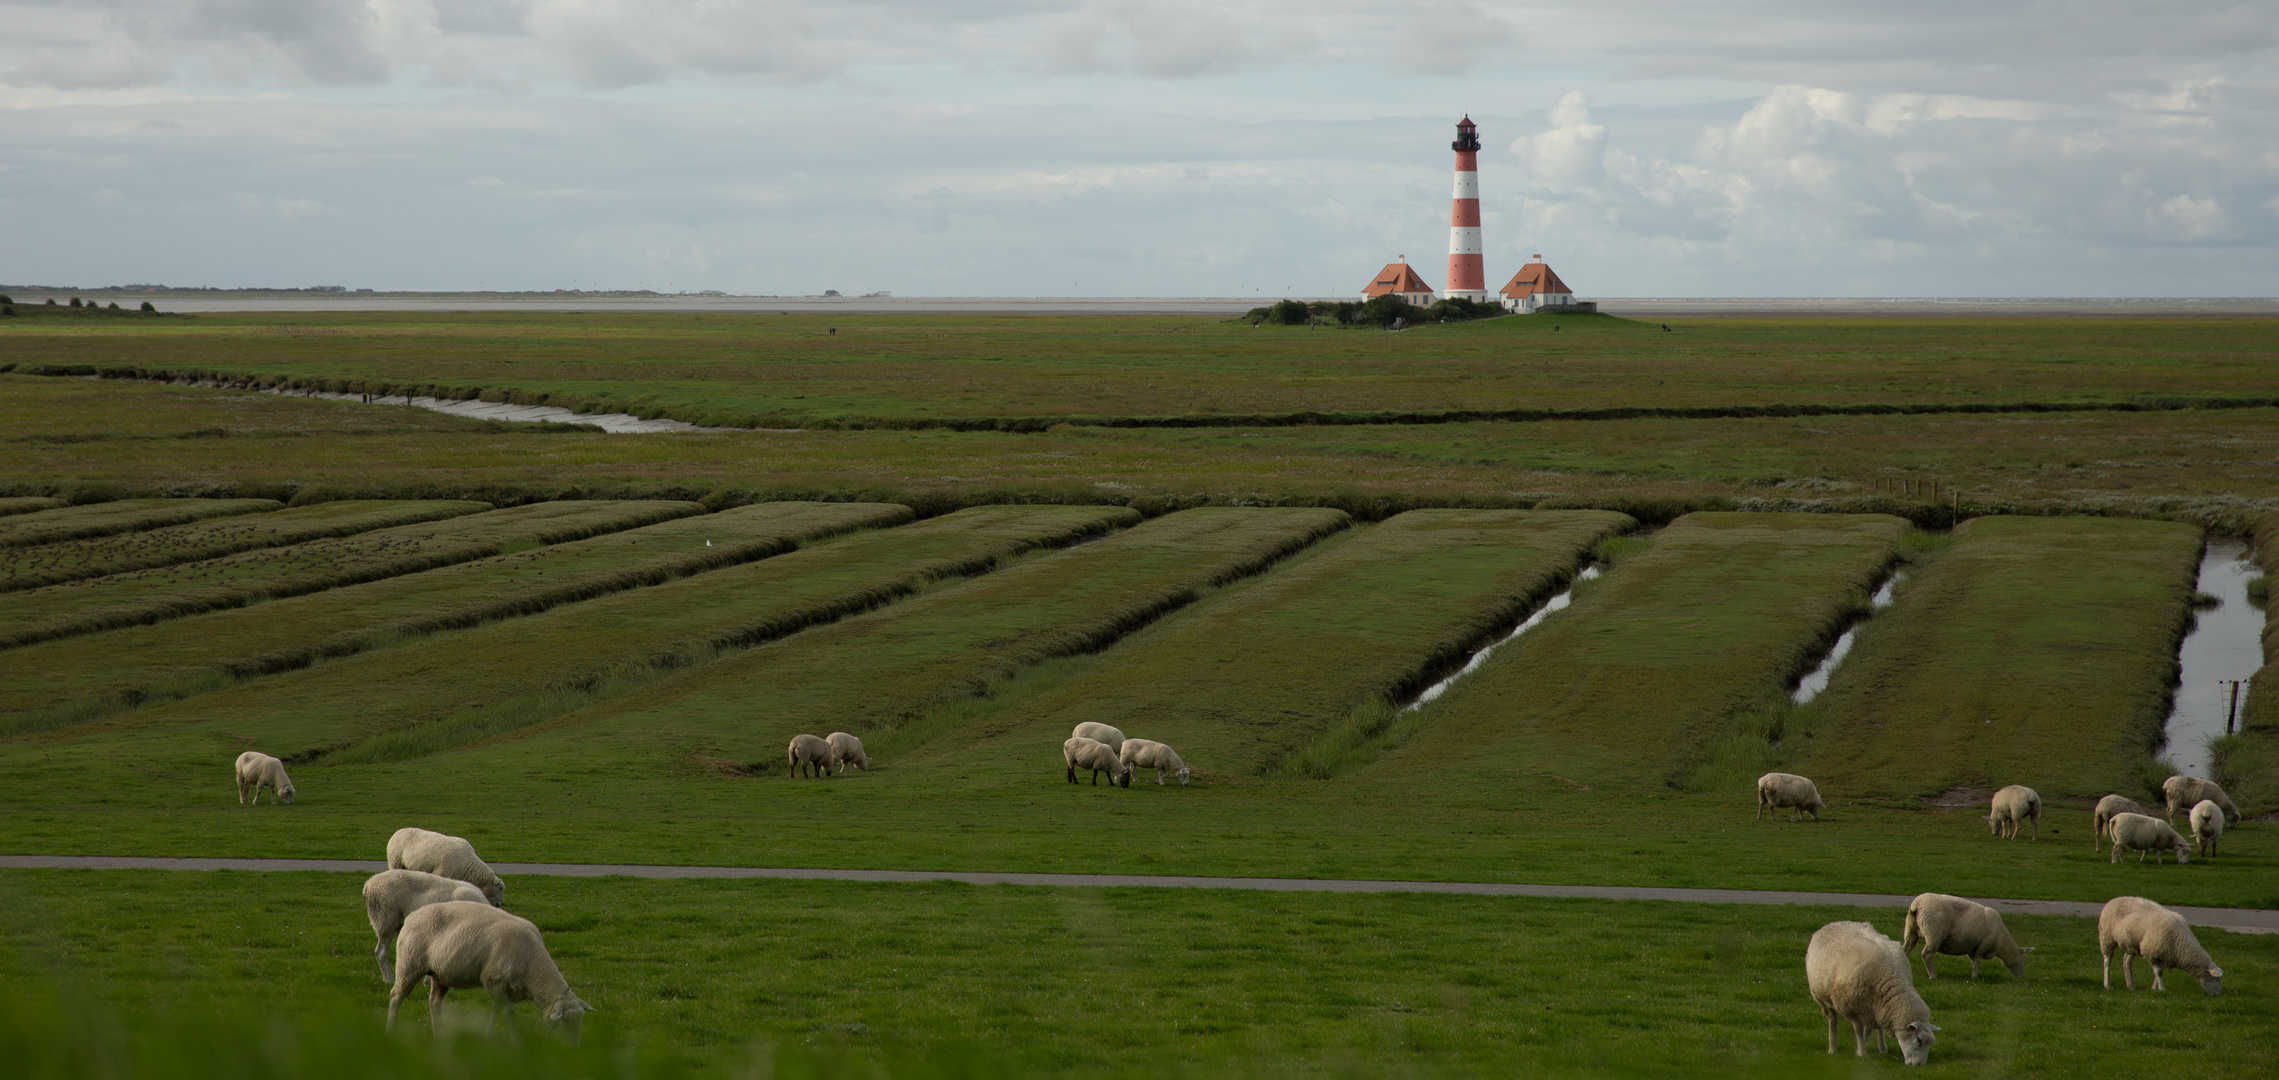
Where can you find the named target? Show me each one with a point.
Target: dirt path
(2240, 920)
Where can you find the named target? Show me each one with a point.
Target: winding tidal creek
(1811, 685)
(2225, 645)
(1557, 603)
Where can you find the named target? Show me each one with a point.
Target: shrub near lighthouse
(1467, 273)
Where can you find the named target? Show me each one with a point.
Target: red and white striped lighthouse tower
(1467, 276)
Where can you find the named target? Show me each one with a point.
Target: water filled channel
(1812, 684)
(2225, 644)
(1557, 603)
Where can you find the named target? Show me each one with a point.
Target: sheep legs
(380, 953)
(1831, 1015)
(2156, 973)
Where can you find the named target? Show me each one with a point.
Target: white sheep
(1103, 734)
(256, 770)
(2100, 823)
(1778, 791)
(849, 751)
(816, 754)
(2207, 827)
(1857, 973)
(1953, 926)
(2186, 792)
(2135, 926)
(2140, 833)
(445, 855)
(460, 945)
(1092, 754)
(1149, 754)
(392, 895)
(2014, 806)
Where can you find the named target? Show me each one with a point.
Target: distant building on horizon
(1401, 280)
(1537, 288)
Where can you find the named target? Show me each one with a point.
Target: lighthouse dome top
(1467, 135)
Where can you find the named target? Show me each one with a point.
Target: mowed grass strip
(2035, 651)
(869, 675)
(1629, 685)
(53, 564)
(74, 680)
(28, 504)
(149, 596)
(468, 685)
(1250, 675)
(232, 973)
(52, 526)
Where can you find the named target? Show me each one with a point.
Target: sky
(1648, 148)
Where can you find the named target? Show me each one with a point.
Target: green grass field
(62, 524)
(624, 699)
(52, 564)
(170, 592)
(2035, 651)
(792, 370)
(1138, 982)
(873, 674)
(1634, 684)
(1249, 679)
(75, 680)
(2216, 468)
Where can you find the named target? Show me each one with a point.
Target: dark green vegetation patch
(71, 560)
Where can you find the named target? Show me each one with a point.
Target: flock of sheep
(1100, 748)
(1857, 974)
(442, 908)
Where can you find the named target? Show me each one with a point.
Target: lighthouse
(1467, 276)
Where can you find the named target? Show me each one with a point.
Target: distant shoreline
(194, 301)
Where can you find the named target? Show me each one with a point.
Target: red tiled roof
(1396, 278)
(1534, 278)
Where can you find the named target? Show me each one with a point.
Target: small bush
(1457, 309)
(1383, 310)
(2259, 591)
(2203, 601)
(146, 306)
(1289, 313)
(75, 302)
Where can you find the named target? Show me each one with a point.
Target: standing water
(2225, 644)
(1566, 596)
(1812, 684)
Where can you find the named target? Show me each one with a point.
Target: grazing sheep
(817, 755)
(445, 855)
(1082, 753)
(256, 770)
(1107, 736)
(1957, 927)
(1780, 791)
(2101, 823)
(849, 751)
(2135, 926)
(2207, 827)
(2186, 792)
(2139, 833)
(460, 945)
(391, 895)
(1857, 973)
(2014, 806)
(1149, 754)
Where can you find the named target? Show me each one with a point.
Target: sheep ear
(2029, 948)
(2215, 973)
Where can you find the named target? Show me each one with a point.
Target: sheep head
(568, 1018)
(1915, 1041)
(2212, 980)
